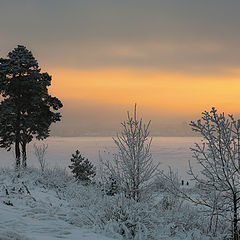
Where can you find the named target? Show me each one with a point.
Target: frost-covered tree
(82, 169)
(219, 157)
(27, 110)
(218, 181)
(132, 165)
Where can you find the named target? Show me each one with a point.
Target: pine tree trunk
(17, 141)
(17, 153)
(17, 129)
(24, 155)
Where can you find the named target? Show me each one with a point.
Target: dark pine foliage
(26, 110)
(82, 169)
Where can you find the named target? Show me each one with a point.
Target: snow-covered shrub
(56, 177)
(132, 166)
(124, 218)
(168, 202)
(163, 184)
(182, 220)
(40, 153)
(82, 169)
(111, 187)
(11, 235)
(56, 195)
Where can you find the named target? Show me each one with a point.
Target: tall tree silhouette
(27, 110)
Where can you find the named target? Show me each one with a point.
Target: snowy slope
(51, 206)
(32, 209)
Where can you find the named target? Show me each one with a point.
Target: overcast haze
(175, 58)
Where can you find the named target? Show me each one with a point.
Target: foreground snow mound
(32, 206)
(52, 205)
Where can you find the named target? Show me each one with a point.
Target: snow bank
(54, 206)
(31, 207)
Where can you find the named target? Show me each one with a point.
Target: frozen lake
(169, 151)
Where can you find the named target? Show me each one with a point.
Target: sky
(174, 58)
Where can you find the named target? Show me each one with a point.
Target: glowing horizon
(158, 91)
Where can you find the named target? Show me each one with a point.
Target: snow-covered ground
(31, 208)
(51, 206)
(169, 151)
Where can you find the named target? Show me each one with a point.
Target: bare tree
(218, 156)
(40, 153)
(132, 165)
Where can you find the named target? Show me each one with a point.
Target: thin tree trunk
(24, 155)
(235, 218)
(17, 129)
(17, 153)
(238, 148)
(17, 142)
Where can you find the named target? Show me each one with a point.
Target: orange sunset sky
(174, 58)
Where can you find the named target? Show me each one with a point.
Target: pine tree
(27, 110)
(82, 169)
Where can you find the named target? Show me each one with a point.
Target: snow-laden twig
(40, 153)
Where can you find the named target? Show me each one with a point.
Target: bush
(112, 186)
(123, 218)
(81, 168)
(40, 152)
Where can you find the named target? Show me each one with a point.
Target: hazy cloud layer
(172, 35)
(97, 119)
(185, 37)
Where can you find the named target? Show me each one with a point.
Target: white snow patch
(30, 210)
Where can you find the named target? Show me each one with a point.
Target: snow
(39, 214)
(53, 206)
(169, 151)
